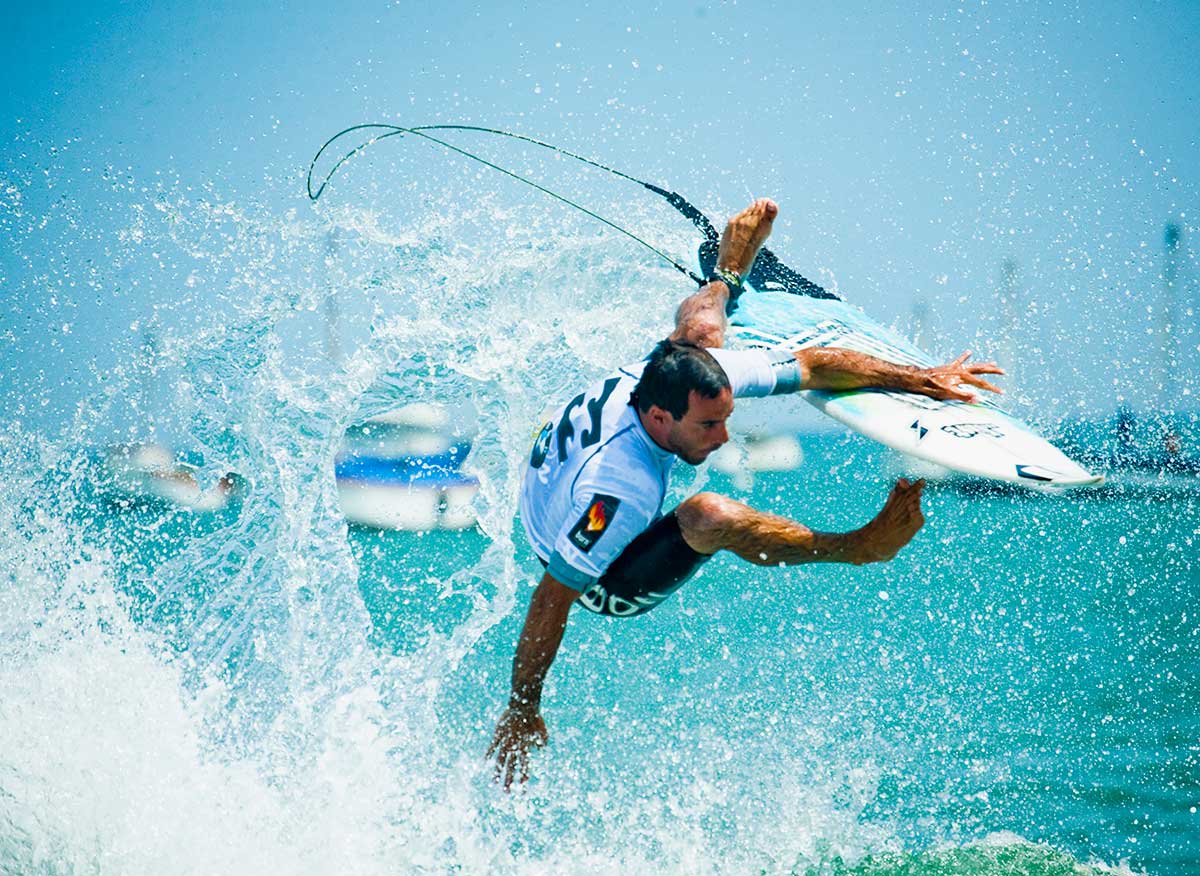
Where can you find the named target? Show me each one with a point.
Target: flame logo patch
(596, 519)
(594, 522)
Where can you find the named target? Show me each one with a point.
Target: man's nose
(722, 434)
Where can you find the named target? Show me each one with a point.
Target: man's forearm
(837, 368)
(540, 639)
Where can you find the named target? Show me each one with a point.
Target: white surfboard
(978, 438)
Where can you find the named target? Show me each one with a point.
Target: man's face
(701, 429)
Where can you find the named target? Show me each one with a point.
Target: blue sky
(912, 150)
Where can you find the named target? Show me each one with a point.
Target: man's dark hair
(673, 370)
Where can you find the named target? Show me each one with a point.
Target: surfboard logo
(594, 522)
(1037, 473)
(919, 429)
(970, 430)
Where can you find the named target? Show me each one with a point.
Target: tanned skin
(710, 522)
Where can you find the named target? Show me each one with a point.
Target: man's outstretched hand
(893, 527)
(948, 382)
(519, 730)
(744, 236)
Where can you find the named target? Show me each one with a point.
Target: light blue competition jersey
(596, 479)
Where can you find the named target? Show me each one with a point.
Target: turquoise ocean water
(265, 691)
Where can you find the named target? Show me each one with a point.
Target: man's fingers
(982, 384)
(947, 381)
(501, 765)
(948, 390)
(510, 770)
(509, 765)
(499, 741)
(502, 771)
(505, 749)
(516, 765)
(512, 766)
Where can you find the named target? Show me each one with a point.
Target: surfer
(597, 476)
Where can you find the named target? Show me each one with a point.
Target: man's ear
(660, 416)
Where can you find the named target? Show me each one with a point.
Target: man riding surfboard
(591, 499)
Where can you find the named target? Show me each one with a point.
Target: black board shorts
(652, 567)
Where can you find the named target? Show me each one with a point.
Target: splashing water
(263, 690)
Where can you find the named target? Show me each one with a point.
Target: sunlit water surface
(264, 691)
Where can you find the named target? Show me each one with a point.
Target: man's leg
(700, 319)
(710, 522)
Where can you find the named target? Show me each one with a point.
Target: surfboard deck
(978, 439)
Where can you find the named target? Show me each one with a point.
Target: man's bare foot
(744, 236)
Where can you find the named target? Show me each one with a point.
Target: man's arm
(521, 727)
(837, 368)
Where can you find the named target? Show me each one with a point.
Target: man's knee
(706, 519)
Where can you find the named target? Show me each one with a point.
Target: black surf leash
(768, 271)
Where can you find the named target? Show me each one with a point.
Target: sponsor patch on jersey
(594, 521)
